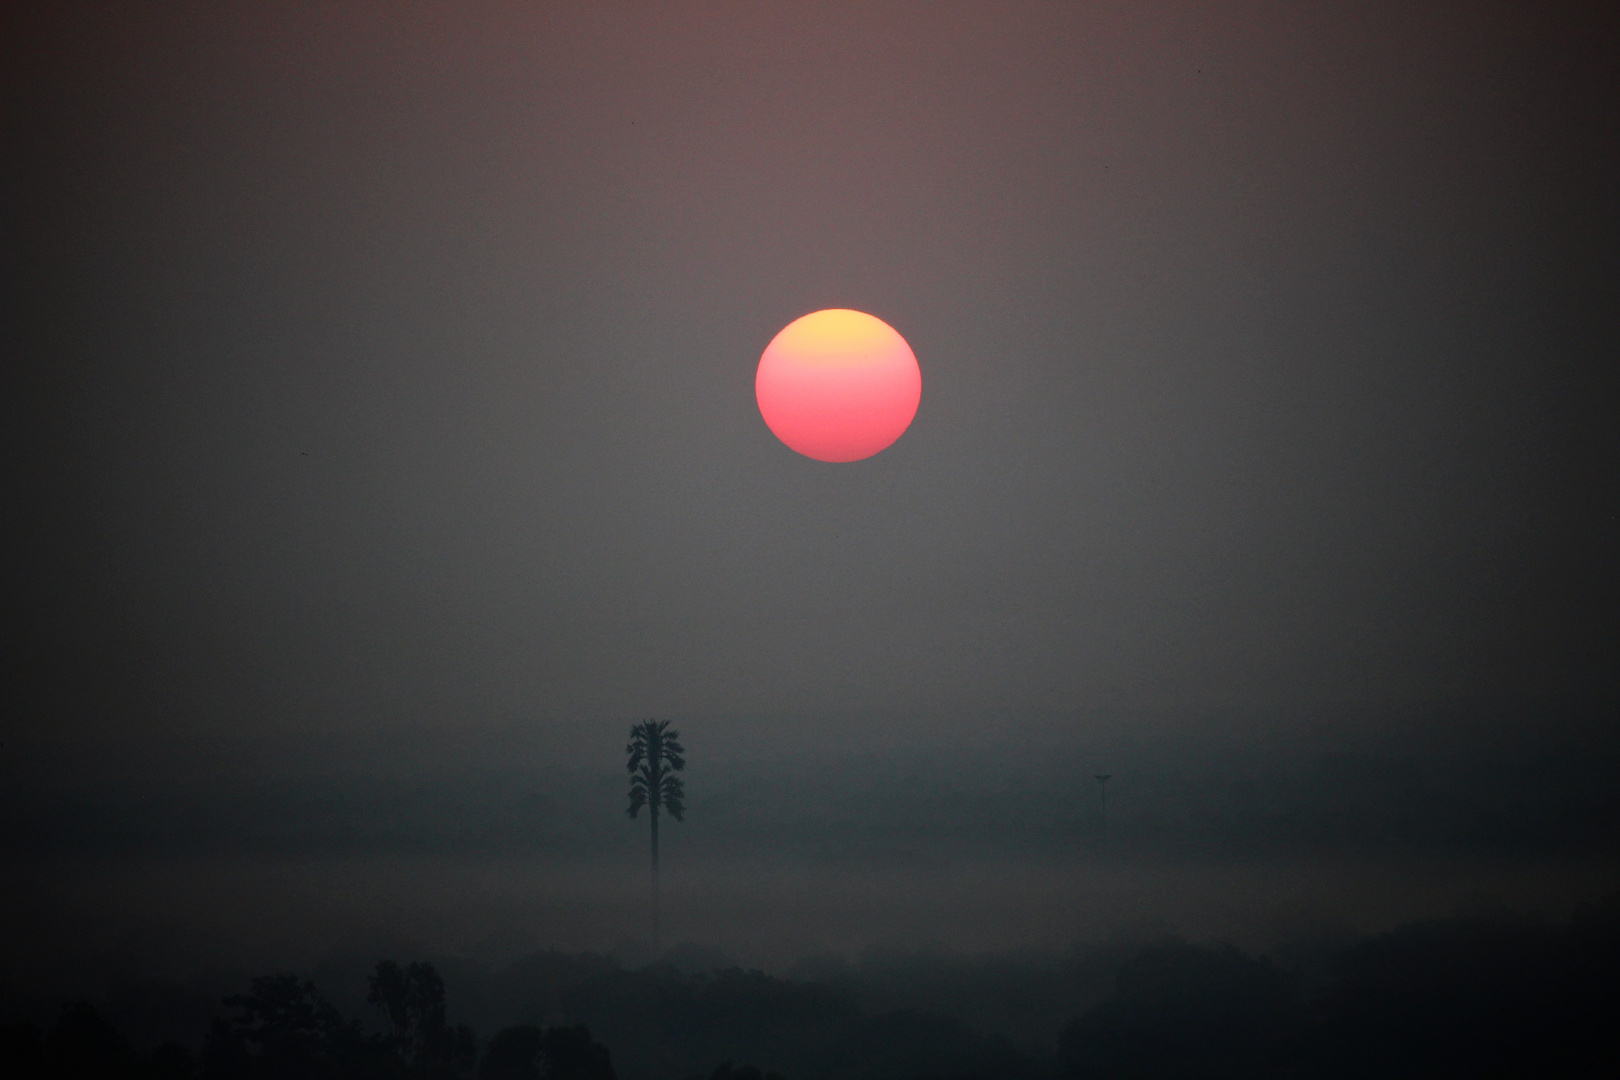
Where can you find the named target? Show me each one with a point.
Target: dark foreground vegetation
(1453, 998)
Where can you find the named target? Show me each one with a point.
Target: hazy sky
(384, 374)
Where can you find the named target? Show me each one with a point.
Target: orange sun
(838, 385)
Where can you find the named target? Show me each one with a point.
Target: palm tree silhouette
(656, 755)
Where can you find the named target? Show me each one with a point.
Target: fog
(259, 862)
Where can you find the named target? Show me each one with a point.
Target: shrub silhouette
(413, 999)
(569, 1053)
(513, 1054)
(84, 1044)
(1185, 1010)
(728, 1071)
(22, 1049)
(171, 1061)
(283, 1028)
(558, 1053)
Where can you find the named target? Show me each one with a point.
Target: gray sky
(385, 383)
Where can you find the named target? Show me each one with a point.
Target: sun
(838, 385)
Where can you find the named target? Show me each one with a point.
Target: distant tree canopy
(283, 1027)
(1464, 997)
(1447, 999)
(1450, 998)
(661, 1023)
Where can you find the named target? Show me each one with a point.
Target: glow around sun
(838, 385)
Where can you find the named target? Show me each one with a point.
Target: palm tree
(656, 755)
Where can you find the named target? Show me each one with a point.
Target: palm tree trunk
(654, 798)
(655, 877)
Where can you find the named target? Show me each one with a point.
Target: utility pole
(1102, 796)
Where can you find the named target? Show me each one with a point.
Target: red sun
(838, 385)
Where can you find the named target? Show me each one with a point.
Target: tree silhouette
(284, 1028)
(526, 1052)
(413, 998)
(656, 755)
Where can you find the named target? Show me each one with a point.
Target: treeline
(1451, 998)
(283, 1029)
(674, 1025)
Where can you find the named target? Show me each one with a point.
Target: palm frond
(638, 795)
(673, 796)
(652, 754)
